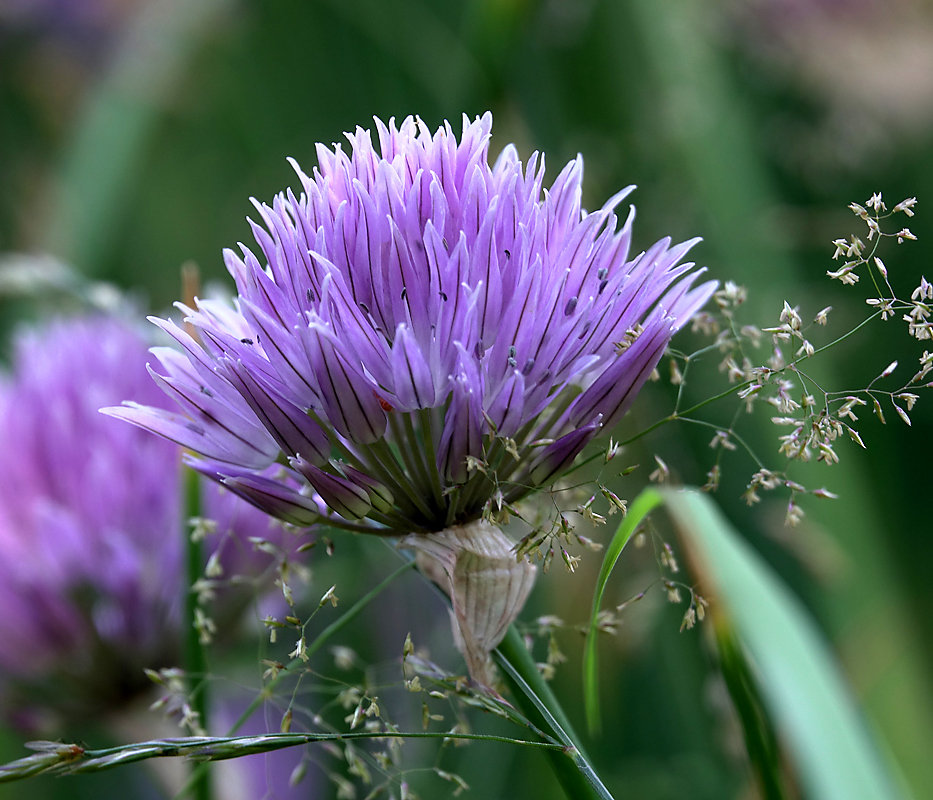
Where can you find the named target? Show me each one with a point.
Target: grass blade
(797, 676)
(640, 508)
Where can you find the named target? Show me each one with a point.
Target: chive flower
(421, 336)
(92, 525)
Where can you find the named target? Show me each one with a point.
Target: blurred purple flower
(429, 334)
(292, 773)
(91, 521)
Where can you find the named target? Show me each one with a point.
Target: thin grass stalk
(195, 659)
(534, 697)
(69, 759)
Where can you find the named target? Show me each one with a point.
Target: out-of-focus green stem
(110, 139)
(194, 656)
(532, 694)
(763, 751)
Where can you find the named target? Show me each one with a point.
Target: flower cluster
(859, 255)
(424, 338)
(92, 518)
(815, 418)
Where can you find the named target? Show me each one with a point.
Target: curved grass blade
(639, 509)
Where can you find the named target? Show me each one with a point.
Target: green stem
(534, 696)
(384, 459)
(195, 658)
(367, 461)
(407, 441)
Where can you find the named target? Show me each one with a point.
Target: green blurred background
(133, 133)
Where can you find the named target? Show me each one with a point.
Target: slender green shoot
(648, 500)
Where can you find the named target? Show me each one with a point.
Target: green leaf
(801, 685)
(640, 508)
(764, 752)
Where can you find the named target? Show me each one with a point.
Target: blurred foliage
(132, 138)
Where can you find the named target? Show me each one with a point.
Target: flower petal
(613, 392)
(215, 443)
(506, 411)
(275, 499)
(342, 495)
(291, 428)
(349, 400)
(464, 425)
(557, 457)
(413, 384)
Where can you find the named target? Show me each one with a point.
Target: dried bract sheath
(475, 565)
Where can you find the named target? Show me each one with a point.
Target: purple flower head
(420, 331)
(92, 517)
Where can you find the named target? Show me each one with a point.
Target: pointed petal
(556, 458)
(613, 392)
(506, 411)
(274, 499)
(213, 414)
(413, 382)
(341, 495)
(682, 302)
(379, 494)
(464, 425)
(217, 444)
(286, 357)
(349, 400)
(292, 429)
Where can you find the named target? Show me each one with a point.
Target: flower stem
(384, 458)
(403, 433)
(194, 657)
(534, 696)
